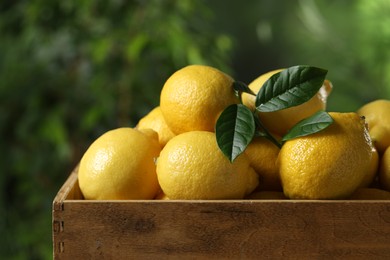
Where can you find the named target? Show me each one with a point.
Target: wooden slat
(69, 190)
(276, 229)
(217, 229)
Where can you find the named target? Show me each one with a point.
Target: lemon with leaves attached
(330, 164)
(191, 166)
(279, 122)
(377, 116)
(193, 97)
(120, 164)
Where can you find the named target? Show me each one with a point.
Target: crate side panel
(69, 189)
(242, 229)
(75, 192)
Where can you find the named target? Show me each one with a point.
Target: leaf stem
(268, 135)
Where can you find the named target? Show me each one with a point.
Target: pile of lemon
(173, 154)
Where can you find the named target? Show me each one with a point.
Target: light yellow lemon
(279, 122)
(120, 164)
(155, 120)
(193, 98)
(191, 166)
(330, 164)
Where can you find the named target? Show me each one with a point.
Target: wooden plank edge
(230, 201)
(65, 190)
(57, 209)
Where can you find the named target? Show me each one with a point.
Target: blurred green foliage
(71, 70)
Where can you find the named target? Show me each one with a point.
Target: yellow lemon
(330, 164)
(191, 166)
(155, 120)
(384, 170)
(279, 122)
(120, 164)
(372, 172)
(370, 194)
(193, 98)
(377, 117)
(263, 155)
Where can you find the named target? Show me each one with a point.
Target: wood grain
(243, 229)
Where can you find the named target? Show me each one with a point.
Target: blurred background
(71, 70)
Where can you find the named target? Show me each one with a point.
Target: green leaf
(240, 87)
(290, 87)
(310, 125)
(234, 130)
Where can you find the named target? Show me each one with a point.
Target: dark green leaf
(240, 87)
(310, 125)
(290, 87)
(235, 129)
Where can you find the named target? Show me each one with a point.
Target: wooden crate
(276, 229)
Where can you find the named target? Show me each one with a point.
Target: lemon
(370, 194)
(155, 120)
(378, 120)
(372, 172)
(330, 164)
(279, 122)
(191, 166)
(384, 170)
(263, 155)
(120, 164)
(193, 98)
